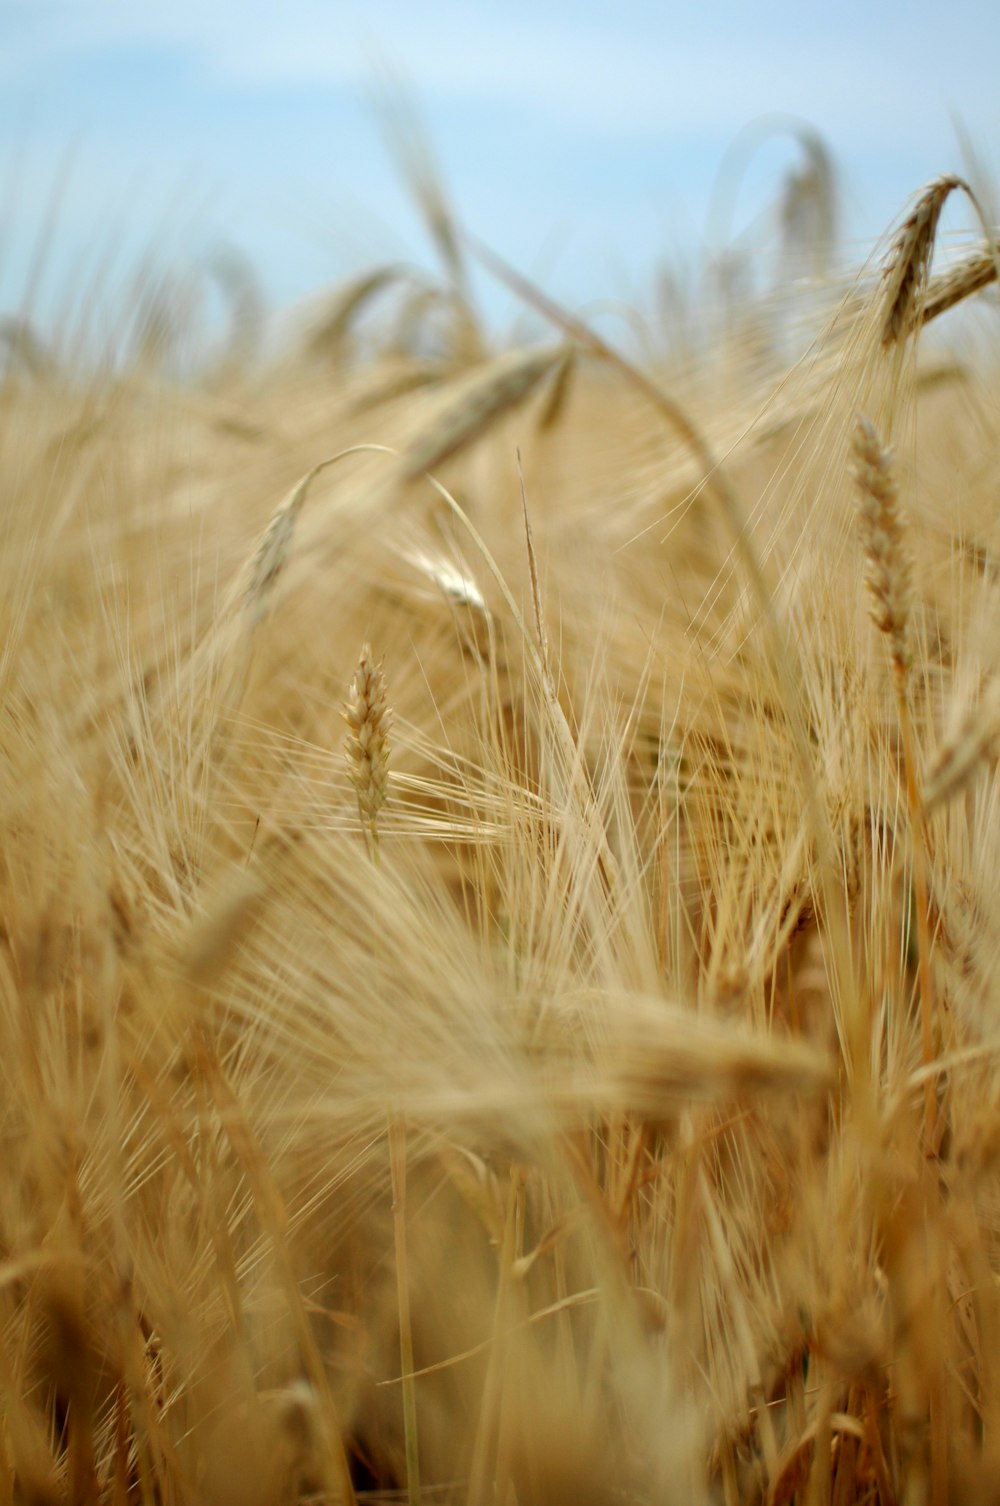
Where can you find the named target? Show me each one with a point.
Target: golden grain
(958, 283)
(882, 524)
(368, 720)
(909, 261)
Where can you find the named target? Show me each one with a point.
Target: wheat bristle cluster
(888, 567)
(368, 718)
(909, 261)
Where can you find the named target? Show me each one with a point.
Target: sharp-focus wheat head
(368, 718)
(883, 535)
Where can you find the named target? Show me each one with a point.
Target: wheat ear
(478, 404)
(260, 574)
(960, 282)
(368, 719)
(883, 536)
(888, 577)
(971, 742)
(906, 272)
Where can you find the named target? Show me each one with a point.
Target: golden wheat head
(887, 559)
(368, 719)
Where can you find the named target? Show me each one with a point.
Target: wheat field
(499, 930)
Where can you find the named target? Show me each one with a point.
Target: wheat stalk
(368, 717)
(397, 1171)
(888, 577)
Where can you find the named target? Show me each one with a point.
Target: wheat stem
(368, 718)
(397, 1164)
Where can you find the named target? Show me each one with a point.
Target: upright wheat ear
(368, 717)
(888, 570)
(887, 559)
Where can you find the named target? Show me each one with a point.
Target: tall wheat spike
(368, 718)
(888, 572)
(888, 565)
(367, 747)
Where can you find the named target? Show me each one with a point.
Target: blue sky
(580, 140)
